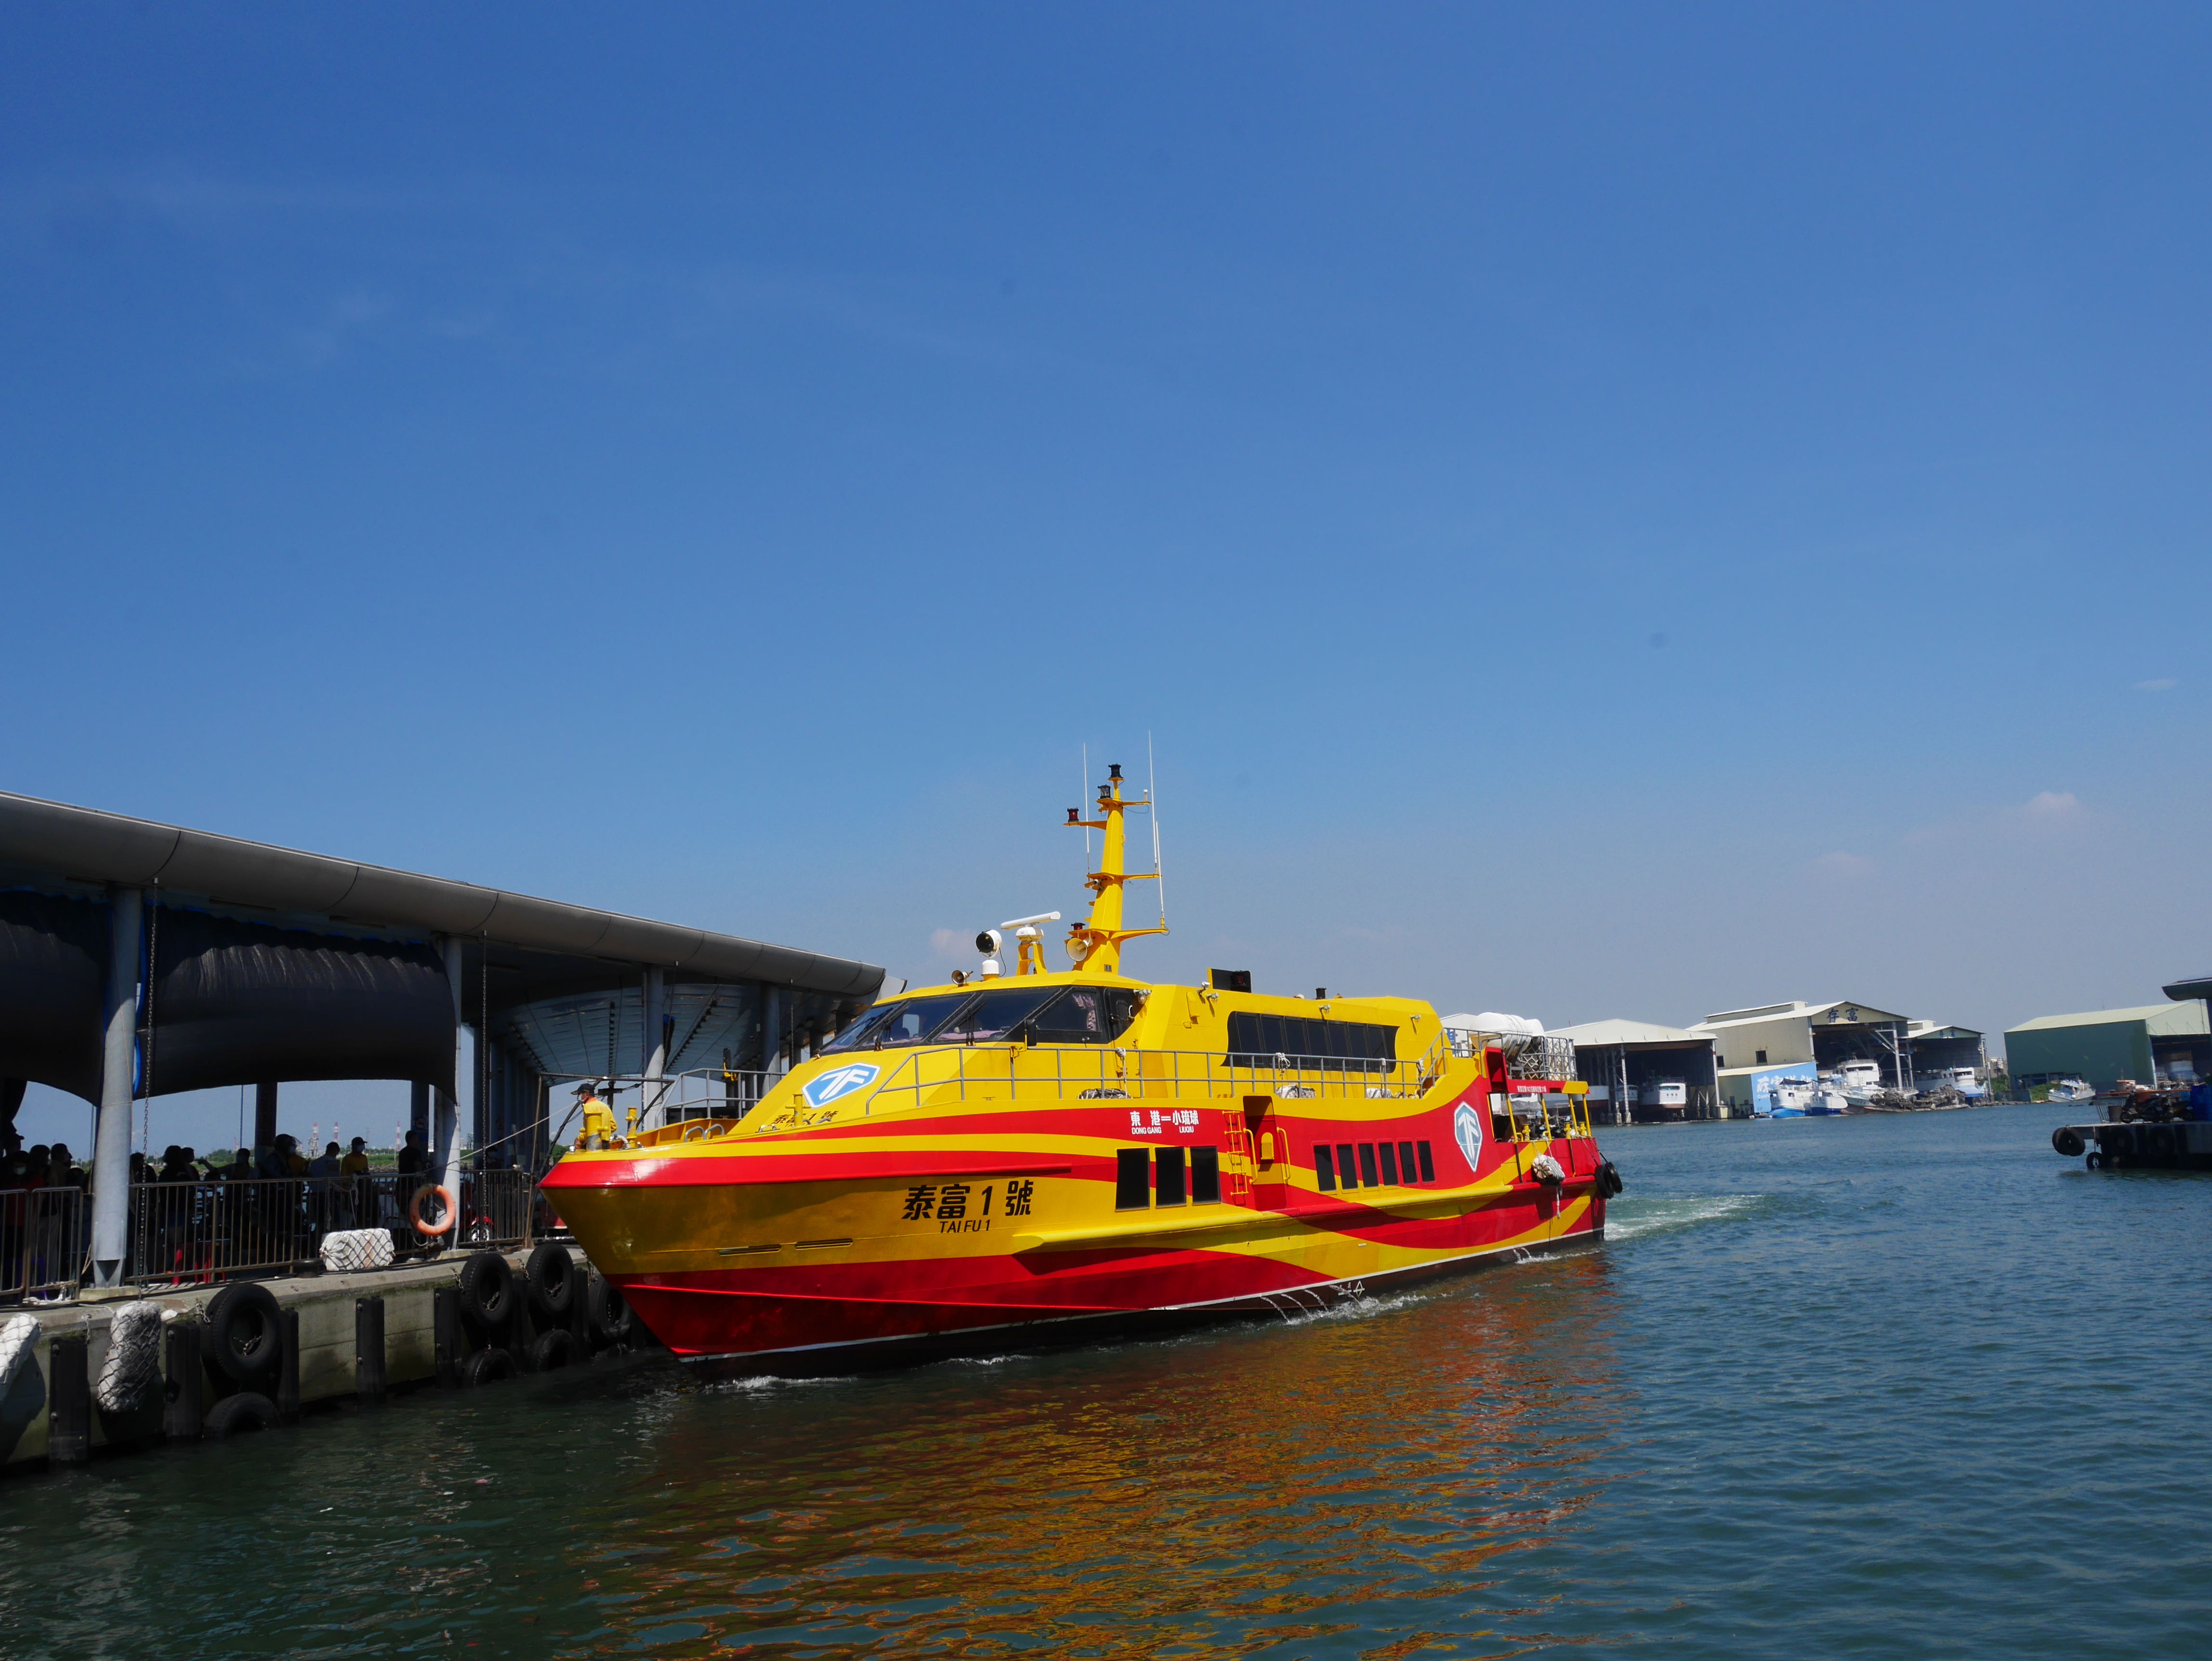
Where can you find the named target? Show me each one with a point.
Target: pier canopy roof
(265, 962)
(1598, 1035)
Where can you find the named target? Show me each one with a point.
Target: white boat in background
(2070, 1090)
(1962, 1080)
(1793, 1099)
(1857, 1082)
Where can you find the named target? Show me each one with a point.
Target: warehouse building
(1643, 1072)
(2155, 1043)
(1755, 1047)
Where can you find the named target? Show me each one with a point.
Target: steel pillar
(111, 1154)
(445, 1133)
(265, 1116)
(772, 1031)
(655, 1045)
(418, 1111)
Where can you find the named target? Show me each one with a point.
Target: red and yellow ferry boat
(1044, 1156)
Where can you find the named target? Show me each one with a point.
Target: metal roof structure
(1598, 1034)
(2176, 1018)
(547, 946)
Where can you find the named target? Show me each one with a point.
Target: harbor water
(1882, 1386)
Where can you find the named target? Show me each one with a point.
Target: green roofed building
(2155, 1043)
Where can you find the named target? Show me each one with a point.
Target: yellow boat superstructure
(1004, 1159)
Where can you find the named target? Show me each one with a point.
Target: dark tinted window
(1367, 1165)
(1133, 1179)
(1389, 1156)
(1356, 1046)
(1085, 1015)
(1344, 1168)
(1229, 980)
(1406, 1161)
(1205, 1176)
(1324, 1167)
(908, 1021)
(993, 1015)
(1428, 1164)
(1168, 1188)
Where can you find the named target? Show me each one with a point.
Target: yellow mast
(1096, 942)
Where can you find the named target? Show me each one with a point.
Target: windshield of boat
(907, 1021)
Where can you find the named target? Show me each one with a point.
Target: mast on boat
(1096, 942)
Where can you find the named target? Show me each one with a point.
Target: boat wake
(1631, 1219)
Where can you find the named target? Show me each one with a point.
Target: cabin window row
(1372, 1165)
(1147, 1177)
(1350, 1046)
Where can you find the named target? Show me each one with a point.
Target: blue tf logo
(1466, 1131)
(840, 1081)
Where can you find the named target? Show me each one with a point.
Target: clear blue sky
(1603, 510)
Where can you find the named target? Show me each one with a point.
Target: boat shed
(2155, 1043)
(138, 959)
(1758, 1045)
(1627, 1065)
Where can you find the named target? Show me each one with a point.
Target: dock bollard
(368, 1350)
(446, 1329)
(183, 1403)
(288, 1367)
(68, 1402)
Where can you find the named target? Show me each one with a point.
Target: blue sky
(1602, 510)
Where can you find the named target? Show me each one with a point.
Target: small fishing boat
(1004, 1160)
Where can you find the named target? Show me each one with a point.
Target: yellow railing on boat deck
(1046, 1073)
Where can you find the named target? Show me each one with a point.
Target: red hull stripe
(712, 1172)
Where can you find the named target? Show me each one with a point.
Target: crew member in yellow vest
(598, 1129)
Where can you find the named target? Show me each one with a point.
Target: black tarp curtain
(231, 1002)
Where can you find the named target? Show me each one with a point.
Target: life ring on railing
(415, 1210)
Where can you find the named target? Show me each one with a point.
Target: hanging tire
(2095, 1161)
(242, 1333)
(2160, 1140)
(609, 1314)
(2117, 1143)
(487, 1289)
(2067, 1142)
(551, 1276)
(487, 1367)
(552, 1350)
(1609, 1178)
(244, 1411)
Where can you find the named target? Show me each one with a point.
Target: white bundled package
(356, 1248)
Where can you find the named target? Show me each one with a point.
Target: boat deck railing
(1528, 1055)
(1049, 1073)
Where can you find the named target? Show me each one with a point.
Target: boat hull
(837, 1250)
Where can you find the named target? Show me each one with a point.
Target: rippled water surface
(1881, 1386)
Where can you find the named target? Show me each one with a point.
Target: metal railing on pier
(42, 1241)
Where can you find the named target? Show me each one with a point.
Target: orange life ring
(415, 1209)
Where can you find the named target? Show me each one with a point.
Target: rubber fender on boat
(18, 1339)
(1608, 1177)
(2160, 1139)
(2067, 1142)
(610, 1313)
(486, 1365)
(130, 1373)
(2117, 1143)
(244, 1411)
(2095, 1161)
(1547, 1171)
(487, 1288)
(551, 1276)
(242, 1332)
(555, 1348)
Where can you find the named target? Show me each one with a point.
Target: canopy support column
(655, 1045)
(111, 1156)
(445, 1133)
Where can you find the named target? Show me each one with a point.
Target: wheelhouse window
(1428, 1164)
(1324, 1168)
(1344, 1168)
(991, 1018)
(1084, 1014)
(1367, 1165)
(1406, 1163)
(1255, 1040)
(909, 1020)
(1389, 1154)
